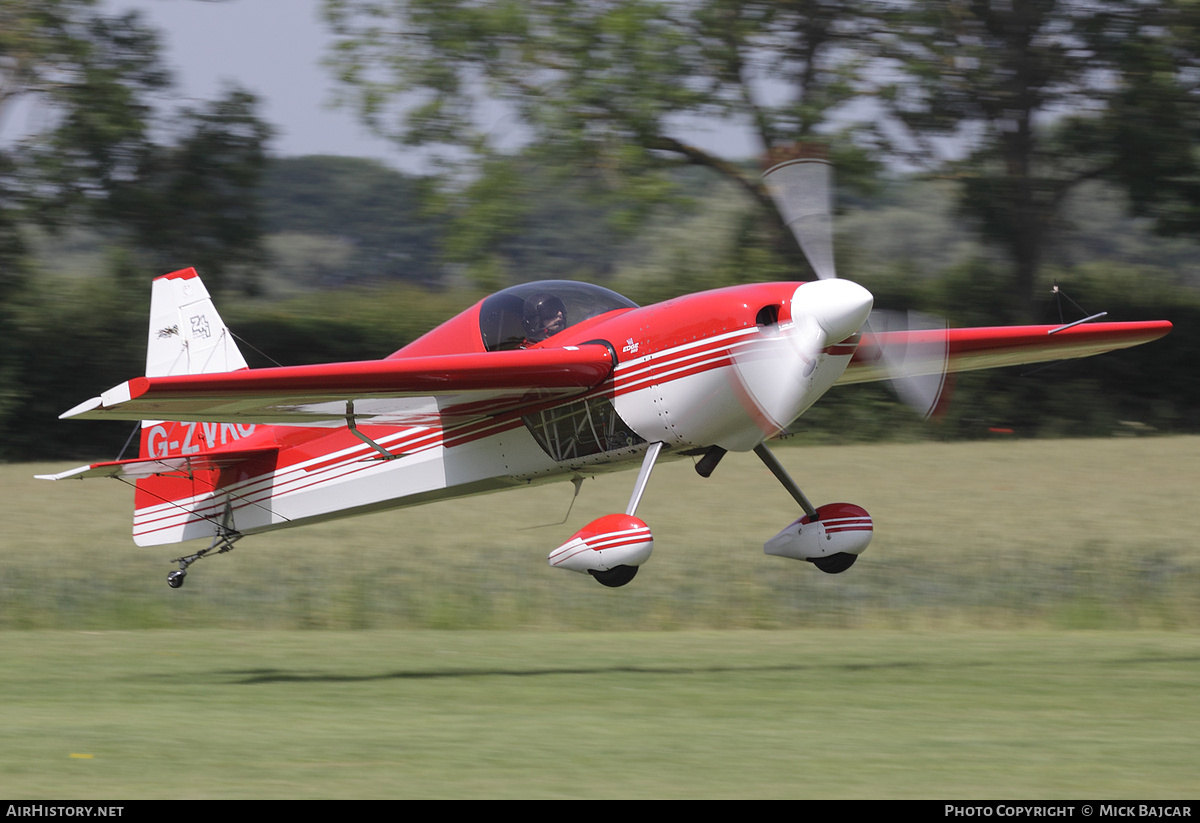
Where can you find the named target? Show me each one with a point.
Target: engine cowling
(604, 544)
(839, 529)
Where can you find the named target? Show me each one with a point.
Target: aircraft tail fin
(187, 335)
(184, 470)
(187, 475)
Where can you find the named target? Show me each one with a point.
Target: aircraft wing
(433, 390)
(955, 350)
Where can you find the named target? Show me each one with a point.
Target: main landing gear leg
(222, 542)
(639, 488)
(777, 469)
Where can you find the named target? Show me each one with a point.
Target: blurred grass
(1075, 534)
(818, 713)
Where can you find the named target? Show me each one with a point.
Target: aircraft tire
(834, 563)
(616, 577)
(175, 579)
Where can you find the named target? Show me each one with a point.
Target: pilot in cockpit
(545, 316)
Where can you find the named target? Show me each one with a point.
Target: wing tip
(96, 406)
(70, 473)
(83, 408)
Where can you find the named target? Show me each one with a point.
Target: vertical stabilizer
(187, 335)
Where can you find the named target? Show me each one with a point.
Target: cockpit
(525, 315)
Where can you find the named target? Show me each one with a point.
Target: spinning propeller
(915, 364)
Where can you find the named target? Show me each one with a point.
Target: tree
(383, 214)
(87, 76)
(93, 82)
(1046, 95)
(196, 199)
(1039, 95)
(1153, 120)
(606, 89)
(79, 117)
(90, 79)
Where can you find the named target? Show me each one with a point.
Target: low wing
(138, 468)
(407, 391)
(956, 350)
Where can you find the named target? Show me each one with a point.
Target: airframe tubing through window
(581, 429)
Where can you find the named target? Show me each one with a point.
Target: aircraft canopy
(524, 315)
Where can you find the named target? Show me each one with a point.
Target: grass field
(1026, 624)
(1025, 534)
(824, 713)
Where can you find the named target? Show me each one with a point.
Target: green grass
(824, 713)
(1026, 624)
(1069, 534)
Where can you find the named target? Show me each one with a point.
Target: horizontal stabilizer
(139, 468)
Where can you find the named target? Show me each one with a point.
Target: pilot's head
(545, 315)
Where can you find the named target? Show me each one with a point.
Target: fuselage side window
(580, 429)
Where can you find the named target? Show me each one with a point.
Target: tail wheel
(616, 577)
(834, 563)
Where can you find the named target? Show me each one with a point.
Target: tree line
(1011, 108)
(1019, 101)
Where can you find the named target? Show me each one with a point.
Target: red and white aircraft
(543, 381)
